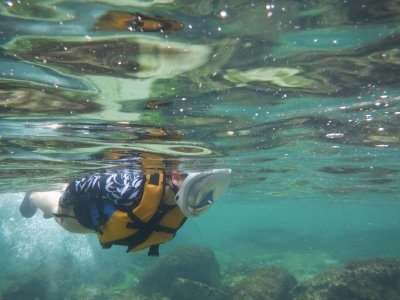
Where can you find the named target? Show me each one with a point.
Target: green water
(299, 98)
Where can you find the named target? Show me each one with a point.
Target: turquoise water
(300, 99)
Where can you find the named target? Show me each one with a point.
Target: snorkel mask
(199, 190)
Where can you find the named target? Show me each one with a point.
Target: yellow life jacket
(148, 225)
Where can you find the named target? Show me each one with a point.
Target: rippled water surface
(299, 98)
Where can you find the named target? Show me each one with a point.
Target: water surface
(299, 98)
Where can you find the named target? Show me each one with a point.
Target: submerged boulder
(193, 263)
(50, 280)
(183, 289)
(264, 284)
(35, 287)
(374, 279)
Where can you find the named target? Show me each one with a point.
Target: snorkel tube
(199, 190)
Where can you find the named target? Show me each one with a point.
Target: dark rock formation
(264, 284)
(48, 281)
(183, 289)
(374, 279)
(193, 263)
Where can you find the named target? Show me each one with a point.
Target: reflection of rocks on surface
(370, 280)
(141, 57)
(193, 263)
(283, 77)
(320, 128)
(124, 21)
(266, 283)
(22, 99)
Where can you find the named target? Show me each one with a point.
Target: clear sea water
(299, 98)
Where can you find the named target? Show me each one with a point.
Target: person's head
(175, 180)
(195, 192)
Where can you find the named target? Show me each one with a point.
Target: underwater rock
(89, 293)
(51, 280)
(193, 263)
(183, 289)
(264, 284)
(373, 279)
(34, 287)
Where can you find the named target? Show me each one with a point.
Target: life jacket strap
(165, 229)
(154, 250)
(146, 229)
(136, 223)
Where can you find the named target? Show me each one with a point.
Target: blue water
(301, 100)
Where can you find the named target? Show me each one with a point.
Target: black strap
(154, 250)
(136, 223)
(63, 216)
(161, 228)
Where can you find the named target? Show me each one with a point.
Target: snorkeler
(131, 208)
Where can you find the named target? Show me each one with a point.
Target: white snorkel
(199, 190)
